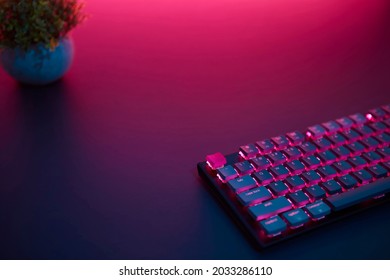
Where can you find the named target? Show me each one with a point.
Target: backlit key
(356, 148)
(384, 152)
(315, 131)
(241, 184)
(281, 142)
(327, 157)
(276, 158)
(363, 176)
(307, 148)
(370, 143)
(358, 119)
(372, 157)
(260, 163)
(270, 208)
(327, 172)
(295, 137)
(341, 152)
(273, 226)
(318, 210)
(331, 127)
(337, 139)
(298, 198)
(384, 139)
(279, 172)
(342, 167)
(376, 114)
(311, 162)
(296, 218)
(345, 122)
(315, 192)
(292, 153)
(255, 195)
(347, 181)
(265, 146)
(295, 182)
(364, 131)
(295, 166)
(322, 144)
(377, 171)
(378, 127)
(311, 177)
(226, 173)
(351, 135)
(278, 188)
(263, 177)
(357, 162)
(216, 160)
(331, 187)
(244, 167)
(248, 151)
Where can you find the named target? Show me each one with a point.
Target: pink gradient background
(155, 87)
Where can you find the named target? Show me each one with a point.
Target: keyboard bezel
(222, 193)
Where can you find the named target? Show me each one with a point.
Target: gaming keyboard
(289, 184)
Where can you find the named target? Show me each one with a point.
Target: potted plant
(35, 46)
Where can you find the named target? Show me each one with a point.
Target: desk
(102, 165)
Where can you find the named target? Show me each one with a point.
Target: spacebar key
(360, 194)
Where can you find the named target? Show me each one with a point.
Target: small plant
(26, 23)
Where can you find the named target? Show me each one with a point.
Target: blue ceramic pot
(39, 65)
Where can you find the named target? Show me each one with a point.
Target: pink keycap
(216, 160)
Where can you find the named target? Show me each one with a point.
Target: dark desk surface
(103, 164)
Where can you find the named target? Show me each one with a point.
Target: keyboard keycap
(376, 114)
(278, 188)
(281, 142)
(370, 143)
(311, 162)
(351, 135)
(358, 119)
(296, 218)
(358, 195)
(331, 127)
(364, 131)
(357, 162)
(273, 226)
(315, 192)
(386, 164)
(311, 177)
(226, 173)
(241, 184)
(292, 153)
(263, 177)
(327, 172)
(331, 187)
(298, 198)
(372, 157)
(377, 171)
(265, 146)
(327, 157)
(248, 151)
(255, 195)
(295, 167)
(363, 176)
(345, 122)
(341, 152)
(384, 139)
(322, 144)
(295, 137)
(216, 160)
(307, 148)
(378, 127)
(295, 182)
(276, 158)
(318, 210)
(347, 181)
(337, 139)
(384, 152)
(342, 167)
(260, 163)
(315, 131)
(279, 172)
(356, 148)
(270, 208)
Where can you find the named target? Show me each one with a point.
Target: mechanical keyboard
(290, 184)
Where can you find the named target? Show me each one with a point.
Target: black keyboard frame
(230, 202)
